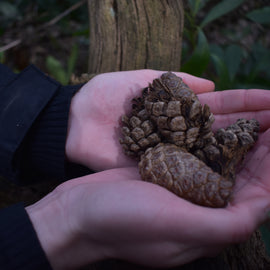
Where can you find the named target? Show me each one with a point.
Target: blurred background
(226, 41)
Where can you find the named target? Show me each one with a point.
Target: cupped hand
(228, 106)
(113, 214)
(94, 121)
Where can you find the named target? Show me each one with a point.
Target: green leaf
(260, 15)
(233, 58)
(265, 231)
(196, 5)
(222, 71)
(221, 9)
(217, 50)
(199, 60)
(262, 59)
(257, 63)
(2, 57)
(8, 10)
(56, 70)
(72, 60)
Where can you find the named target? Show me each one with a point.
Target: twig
(63, 14)
(10, 45)
(48, 24)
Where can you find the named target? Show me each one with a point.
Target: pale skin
(113, 214)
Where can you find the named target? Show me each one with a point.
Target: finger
(198, 85)
(257, 163)
(245, 217)
(224, 120)
(231, 101)
(232, 224)
(221, 226)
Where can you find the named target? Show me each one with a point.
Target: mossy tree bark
(135, 34)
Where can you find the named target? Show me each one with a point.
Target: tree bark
(135, 34)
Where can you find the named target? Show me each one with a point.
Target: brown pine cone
(185, 175)
(167, 111)
(177, 112)
(230, 147)
(139, 133)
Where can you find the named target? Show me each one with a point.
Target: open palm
(252, 187)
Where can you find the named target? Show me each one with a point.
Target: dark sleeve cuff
(34, 112)
(22, 100)
(19, 246)
(43, 151)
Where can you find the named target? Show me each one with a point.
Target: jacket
(33, 125)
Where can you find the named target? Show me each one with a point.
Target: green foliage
(199, 60)
(266, 236)
(67, 20)
(13, 11)
(58, 71)
(196, 5)
(231, 65)
(2, 57)
(220, 9)
(8, 13)
(260, 15)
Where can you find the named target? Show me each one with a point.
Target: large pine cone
(185, 175)
(190, 161)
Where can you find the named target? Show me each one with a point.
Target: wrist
(73, 140)
(58, 231)
(46, 216)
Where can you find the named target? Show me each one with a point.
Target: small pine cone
(185, 175)
(177, 112)
(139, 133)
(230, 147)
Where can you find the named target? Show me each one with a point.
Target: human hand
(230, 105)
(252, 182)
(113, 214)
(94, 122)
(253, 178)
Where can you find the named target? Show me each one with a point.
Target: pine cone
(230, 147)
(167, 111)
(139, 133)
(177, 113)
(190, 161)
(185, 175)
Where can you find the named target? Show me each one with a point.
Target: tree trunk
(135, 34)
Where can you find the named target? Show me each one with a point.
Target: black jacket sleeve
(33, 125)
(19, 245)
